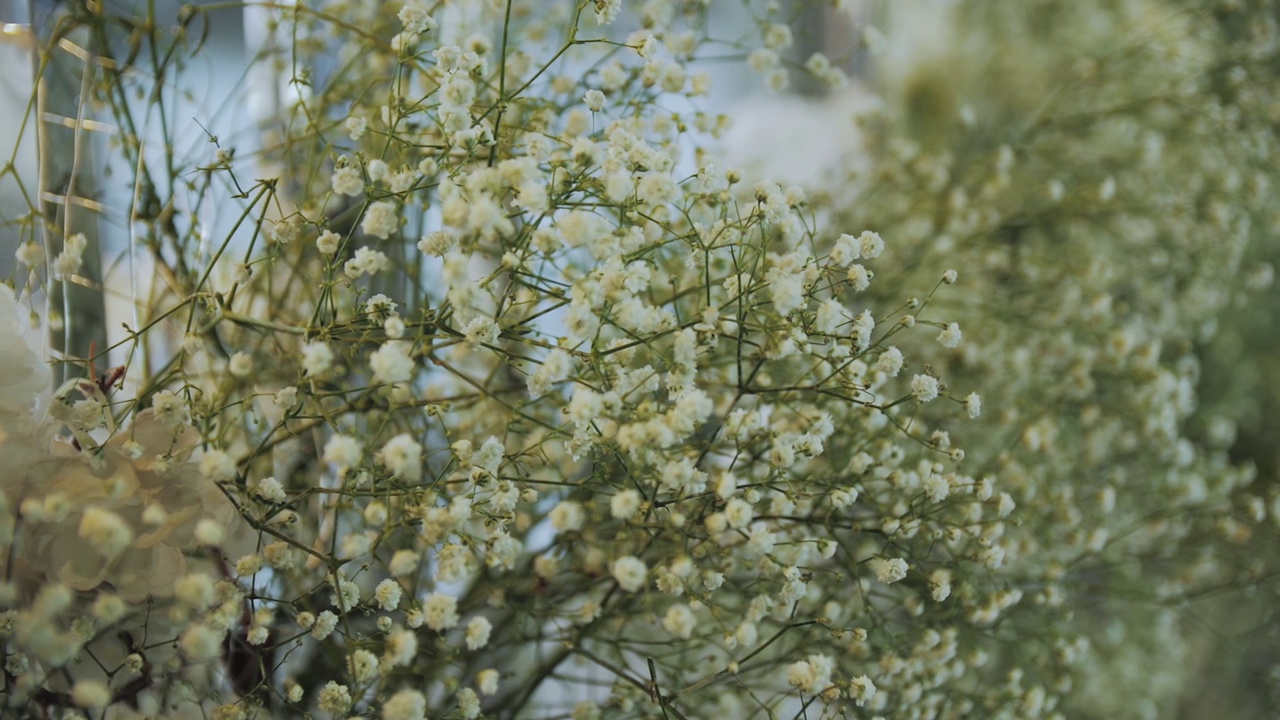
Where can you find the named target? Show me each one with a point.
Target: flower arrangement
(499, 397)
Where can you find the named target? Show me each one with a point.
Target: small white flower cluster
(615, 402)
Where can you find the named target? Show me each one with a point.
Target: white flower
(554, 369)
(440, 611)
(973, 404)
(738, 513)
(861, 689)
(366, 261)
(812, 675)
(402, 455)
(630, 573)
(240, 365)
(391, 362)
(335, 698)
(381, 219)
(348, 181)
(481, 330)
(940, 584)
(607, 10)
(624, 504)
(468, 704)
(30, 254)
(777, 79)
(924, 387)
(777, 37)
(762, 60)
(567, 516)
(403, 562)
(364, 666)
(218, 466)
(871, 244)
(950, 336)
(328, 242)
(269, 489)
(68, 261)
(830, 316)
(889, 571)
(90, 694)
(342, 450)
(356, 126)
(387, 594)
(489, 456)
(679, 621)
(594, 100)
(478, 630)
(405, 704)
(859, 277)
(402, 648)
(863, 326)
(201, 643)
(415, 19)
(325, 623)
(890, 361)
(105, 531)
(487, 681)
(317, 358)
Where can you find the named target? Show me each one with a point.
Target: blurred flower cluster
(505, 396)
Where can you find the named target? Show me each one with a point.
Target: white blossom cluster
(518, 396)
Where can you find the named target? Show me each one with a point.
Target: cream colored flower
(107, 501)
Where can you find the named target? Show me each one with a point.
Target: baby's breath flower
(567, 516)
(367, 261)
(30, 254)
(405, 705)
(607, 10)
(950, 336)
(380, 220)
(440, 611)
(391, 362)
(924, 387)
(201, 643)
(387, 594)
(862, 690)
(630, 573)
(679, 621)
(402, 455)
(487, 681)
(481, 330)
(762, 60)
(317, 358)
(328, 242)
(478, 629)
(90, 694)
(468, 704)
(218, 466)
(890, 570)
(363, 666)
(335, 698)
(402, 648)
(106, 531)
(325, 623)
(348, 180)
(973, 404)
(342, 450)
